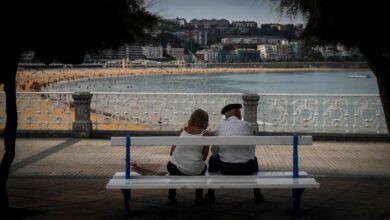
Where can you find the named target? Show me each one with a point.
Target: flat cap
(230, 107)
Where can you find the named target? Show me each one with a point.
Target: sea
(319, 82)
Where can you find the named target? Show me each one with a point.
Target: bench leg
(258, 197)
(297, 195)
(126, 198)
(172, 196)
(210, 196)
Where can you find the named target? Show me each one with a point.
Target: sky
(261, 11)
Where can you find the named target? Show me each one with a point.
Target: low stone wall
(349, 115)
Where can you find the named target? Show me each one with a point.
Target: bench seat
(260, 180)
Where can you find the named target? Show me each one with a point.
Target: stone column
(82, 125)
(250, 110)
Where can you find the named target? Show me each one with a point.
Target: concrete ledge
(42, 134)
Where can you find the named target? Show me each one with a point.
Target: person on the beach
(234, 160)
(189, 160)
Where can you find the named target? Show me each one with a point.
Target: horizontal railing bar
(332, 95)
(234, 94)
(43, 93)
(159, 93)
(206, 94)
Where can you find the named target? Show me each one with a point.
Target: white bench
(298, 181)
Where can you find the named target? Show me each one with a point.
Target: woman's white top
(189, 159)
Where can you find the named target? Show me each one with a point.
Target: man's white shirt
(234, 154)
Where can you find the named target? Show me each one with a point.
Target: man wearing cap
(234, 160)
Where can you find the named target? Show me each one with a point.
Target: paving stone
(69, 183)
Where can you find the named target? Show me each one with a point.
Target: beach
(30, 80)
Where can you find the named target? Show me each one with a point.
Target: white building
(134, 53)
(251, 40)
(245, 24)
(200, 37)
(231, 56)
(152, 52)
(181, 21)
(177, 53)
(338, 51)
(344, 51)
(217, 46)
(210, 56)
(283, 50)
(328, 51)
(268, 52)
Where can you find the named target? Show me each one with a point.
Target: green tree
(267, 30)
(360, 23)
(62, 30)
(315, 56)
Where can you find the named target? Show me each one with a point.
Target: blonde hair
(199, 118)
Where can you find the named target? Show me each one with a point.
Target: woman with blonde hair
(189, 160)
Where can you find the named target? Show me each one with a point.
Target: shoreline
(30, 80)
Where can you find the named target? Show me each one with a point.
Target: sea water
(325, 82)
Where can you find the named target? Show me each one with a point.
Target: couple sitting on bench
(229, 160)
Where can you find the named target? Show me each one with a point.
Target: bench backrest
(212, 140)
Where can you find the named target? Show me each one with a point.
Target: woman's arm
(206, 149)
(174, 147)
(205, 152)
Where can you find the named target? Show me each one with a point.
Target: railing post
(250, 110)
(295, 156)
(82, 125)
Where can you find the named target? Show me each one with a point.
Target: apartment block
(251, 40)
(210, 56)
(247, 55)
(246, 24)
(210, 23)
(177, 53)
(152, 52)
(268, 52)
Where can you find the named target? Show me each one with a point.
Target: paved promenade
(65, 179)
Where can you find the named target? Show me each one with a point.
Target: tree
(62, 30)
(360, 23)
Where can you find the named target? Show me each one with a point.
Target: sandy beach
(36, 80)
